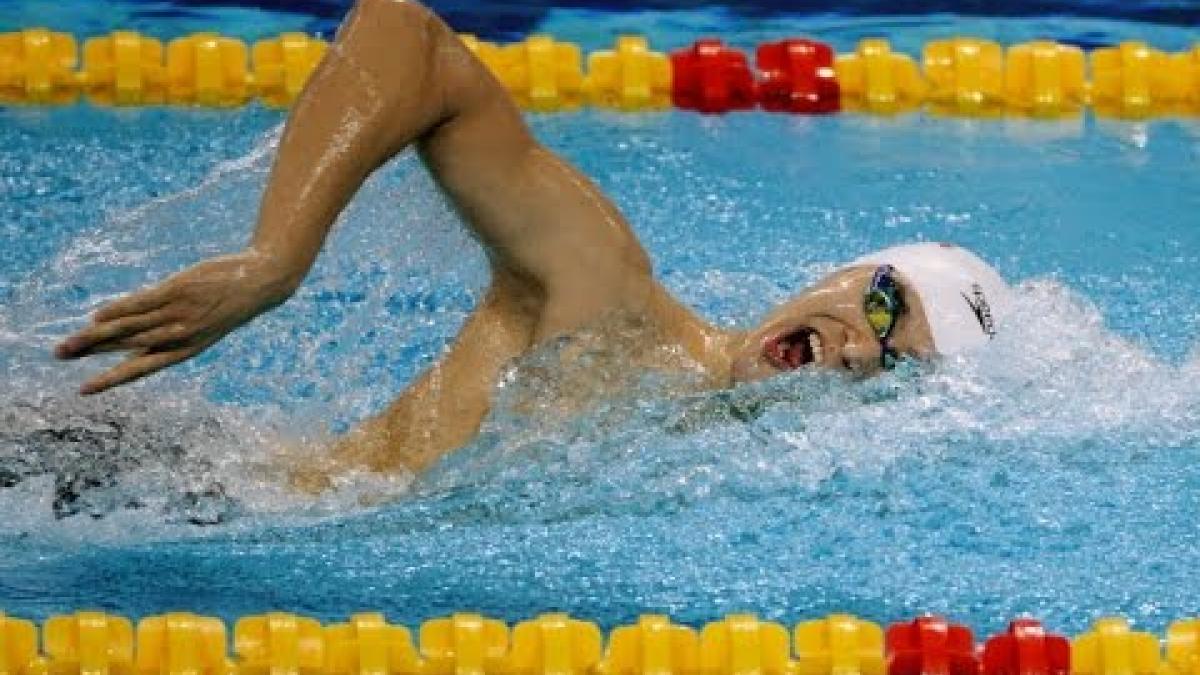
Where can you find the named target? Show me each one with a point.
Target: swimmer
(561, 254)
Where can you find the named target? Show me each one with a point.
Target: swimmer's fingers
(141, 302)
(136, 367)
(108, 335)
(156, 339)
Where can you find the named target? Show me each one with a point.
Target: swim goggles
(883, 306)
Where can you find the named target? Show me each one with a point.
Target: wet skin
(561, 253)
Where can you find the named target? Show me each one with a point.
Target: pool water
(1057, 473)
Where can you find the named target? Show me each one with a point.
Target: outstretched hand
(178, 318)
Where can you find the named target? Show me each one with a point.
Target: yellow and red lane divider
(126, 68)
(712, 78)
(629, 77)
(1045, 79)
(95, 643)
(797, 76)
(960, 76)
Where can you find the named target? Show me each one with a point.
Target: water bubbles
(609, 479)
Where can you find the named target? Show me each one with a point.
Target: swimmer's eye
(883, 306)
(879, 316)
(882, 302)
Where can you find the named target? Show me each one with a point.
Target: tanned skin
(561, 254)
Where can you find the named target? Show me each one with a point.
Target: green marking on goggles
(883, 307)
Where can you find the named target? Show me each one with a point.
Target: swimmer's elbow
(404, 32)
(408, 11)
(389, 62)
(427, 65)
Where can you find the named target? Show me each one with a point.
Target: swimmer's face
(826, 326)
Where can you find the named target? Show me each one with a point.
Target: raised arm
(394, 76)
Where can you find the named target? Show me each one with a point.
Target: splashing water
(1056, 472)
(1055, 384)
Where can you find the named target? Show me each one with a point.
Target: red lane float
(1026, 649)
(797, 77)
(930, 645)
(711, 78)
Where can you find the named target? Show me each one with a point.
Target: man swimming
(562, 256)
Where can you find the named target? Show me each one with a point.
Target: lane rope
(962, 76)
(87, 643)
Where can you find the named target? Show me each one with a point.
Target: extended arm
(395, 75)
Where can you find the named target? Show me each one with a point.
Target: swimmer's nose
(859, 356)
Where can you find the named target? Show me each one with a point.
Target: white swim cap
(963, 296)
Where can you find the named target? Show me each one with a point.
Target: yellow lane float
(19, 648)
(1111, 648)
(209, 70)
(91, 643)
(180, 642)
(1183, 647)
(965, 75)
(629, 77)
(283, 65)
(124, 68)
(37, 66)
(279, 644)
(875, 79)
(554, 643)
(957, 76)
(653, 645)
(839, 644)
(543, 74)
(463, 644)
(369, 645)
(1131, 80)
(1045, 79)
(741, 644)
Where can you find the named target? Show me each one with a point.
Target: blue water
(1057, 474)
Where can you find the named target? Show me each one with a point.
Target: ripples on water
(1055, 473)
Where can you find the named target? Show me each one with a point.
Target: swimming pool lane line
(961, 76)
(95, 643)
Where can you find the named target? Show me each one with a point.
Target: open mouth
(794, 349)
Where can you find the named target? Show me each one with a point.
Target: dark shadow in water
(90, 452)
